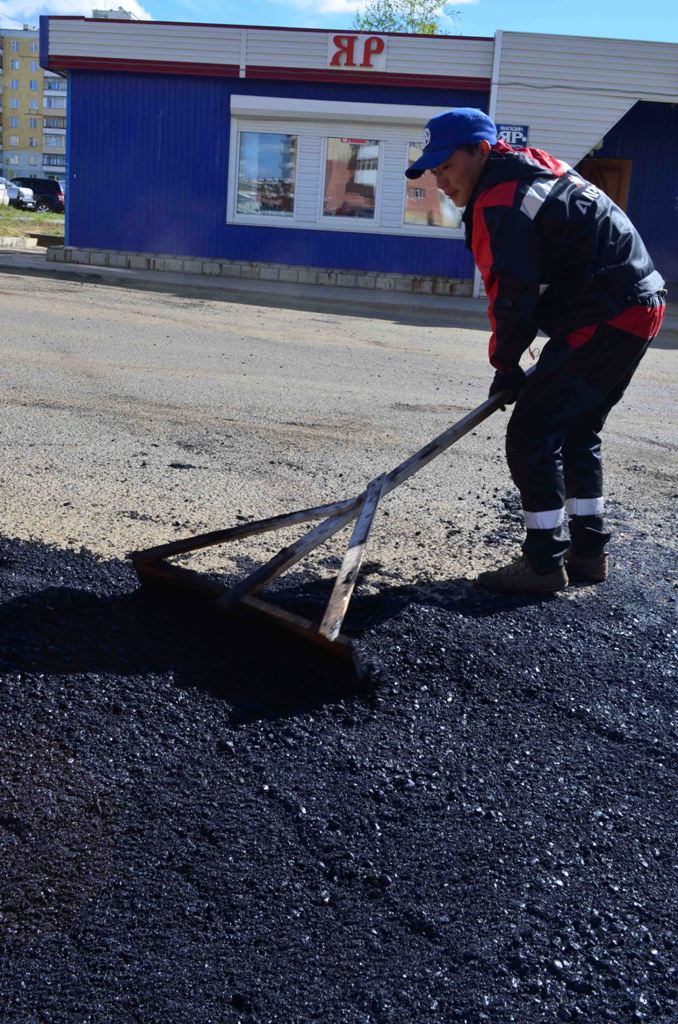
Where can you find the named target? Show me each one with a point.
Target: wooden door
(611, 176)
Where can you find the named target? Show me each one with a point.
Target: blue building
(217, 148)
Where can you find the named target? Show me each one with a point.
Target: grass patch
(19, 223)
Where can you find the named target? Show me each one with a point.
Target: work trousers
(553, 444)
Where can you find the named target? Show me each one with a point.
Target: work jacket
(555, 253)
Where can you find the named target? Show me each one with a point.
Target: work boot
(520, 578)
(587, 568)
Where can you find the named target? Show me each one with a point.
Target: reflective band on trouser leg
(548, 520)
(585, 506)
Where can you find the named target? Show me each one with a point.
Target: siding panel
(571, 90)
(262, 47)
(647, 135)
(149, 170)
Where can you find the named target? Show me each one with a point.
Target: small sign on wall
(361, 53)
(514, 134)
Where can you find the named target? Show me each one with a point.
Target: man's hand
(512, 381)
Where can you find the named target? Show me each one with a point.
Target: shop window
(424, 202)
(351, 169)
(266, 174)
(290, 167)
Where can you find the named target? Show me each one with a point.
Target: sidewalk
(403, 306)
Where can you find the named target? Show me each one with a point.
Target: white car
(19, 196)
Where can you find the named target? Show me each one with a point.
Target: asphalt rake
(152, 565)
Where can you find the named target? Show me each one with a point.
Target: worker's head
(457, 147)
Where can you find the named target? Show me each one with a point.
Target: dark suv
(48, 194)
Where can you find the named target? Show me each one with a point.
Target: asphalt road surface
(199, 824)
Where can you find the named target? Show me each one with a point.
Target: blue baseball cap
(445, 132)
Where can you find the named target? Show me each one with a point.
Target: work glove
(511, 381)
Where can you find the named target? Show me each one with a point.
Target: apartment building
(32, 110)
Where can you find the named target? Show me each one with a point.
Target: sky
(615, 19)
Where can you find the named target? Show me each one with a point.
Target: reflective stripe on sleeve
(544, 520)
(585, 506)
(536, 195)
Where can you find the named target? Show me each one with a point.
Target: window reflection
(351, 172)
(424, 202)
(266, 173)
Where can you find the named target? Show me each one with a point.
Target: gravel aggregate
(196, 825)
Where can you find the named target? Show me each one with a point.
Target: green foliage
(19, 223)
(417, 17)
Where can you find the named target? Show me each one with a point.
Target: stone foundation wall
(262, 271)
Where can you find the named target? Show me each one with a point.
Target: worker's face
(458, 176)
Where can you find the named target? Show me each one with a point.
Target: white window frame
(347, 223)
(255, 218)
(313, 122)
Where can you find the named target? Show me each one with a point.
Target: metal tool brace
(151, 564)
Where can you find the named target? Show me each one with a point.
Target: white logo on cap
(427, 136)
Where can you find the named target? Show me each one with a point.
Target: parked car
(19, 196)
(49, 195)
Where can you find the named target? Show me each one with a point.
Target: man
(556, 255)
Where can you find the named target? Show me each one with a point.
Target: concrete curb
(262, 271)
(241, 290)
(395, 303)
(23, 242)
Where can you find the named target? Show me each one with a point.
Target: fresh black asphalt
(199, 826)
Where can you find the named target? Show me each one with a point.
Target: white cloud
(16, 13)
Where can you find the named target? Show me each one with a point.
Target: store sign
(366, 53)
(514, 134)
